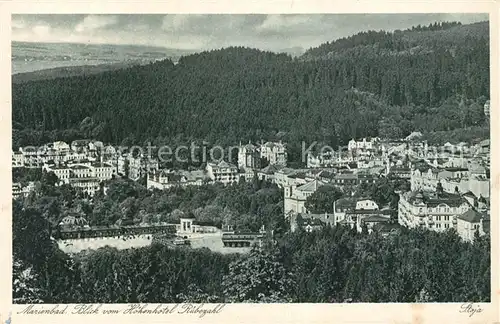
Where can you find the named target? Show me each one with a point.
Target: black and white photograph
(201, 160)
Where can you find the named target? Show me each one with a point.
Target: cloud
(93, 22)
(280, 23)
(212, 31)
(41, 30)
(18, 24)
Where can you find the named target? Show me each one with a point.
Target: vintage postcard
(289, 162)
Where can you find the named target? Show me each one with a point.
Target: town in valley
(445, 187)
(355, 171)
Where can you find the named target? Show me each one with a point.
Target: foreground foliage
(331, 265)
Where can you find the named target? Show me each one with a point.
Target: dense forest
(430, 79)
(246, 206)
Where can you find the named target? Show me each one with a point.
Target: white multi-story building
(274, 153)
(470, 222)
(85, 176)
(17, 160)
(103, 171)
(81, 171)
(437, 211)
(87, 185)
(364, 144)
(283, 178)
(164, 179)
(61, 147)
(296, 196)
(328, 159)
(343, 206)
(222, 172)
(18, 190)
(453, 180)
(136, 166)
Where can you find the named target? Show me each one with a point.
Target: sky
(202, 32)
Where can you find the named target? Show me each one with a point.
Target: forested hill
(237, 93)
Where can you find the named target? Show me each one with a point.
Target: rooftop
(471, 216)
(271, 169)
(375, 219)
(432, 199)
(79, 166)
(311, 186)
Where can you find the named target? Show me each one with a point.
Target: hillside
(451, 36)
(232, 94)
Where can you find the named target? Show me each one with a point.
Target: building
(274, 153)
(424, 178)
(18, 190)
(61, 147)
(325, 160)
(364, 144)
(17, 160)
(188, 225)
(248, 157)
(87, 185)
(81, 171)
(484, 147)
(344, 206)
(296, 196)
(476, 170)
(223, 172)
(62, 172)
(413, 136)
(267, 173)
(436, 211)
(399, 172)
(134, 167)
(287, 177)
(352, 179)
(371, 220)
(487, 109)
(310, 222)
(103, 171)
(164, 179)
(470, 222)
(86, 176)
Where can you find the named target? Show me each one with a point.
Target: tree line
(232, 94)
(342, 266)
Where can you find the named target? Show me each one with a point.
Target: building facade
(274, 153)
(437, 211)
(248, 157)
(223, 172)
(295, 197)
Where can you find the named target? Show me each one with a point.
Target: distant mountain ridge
(69, 71)
(29, 57)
